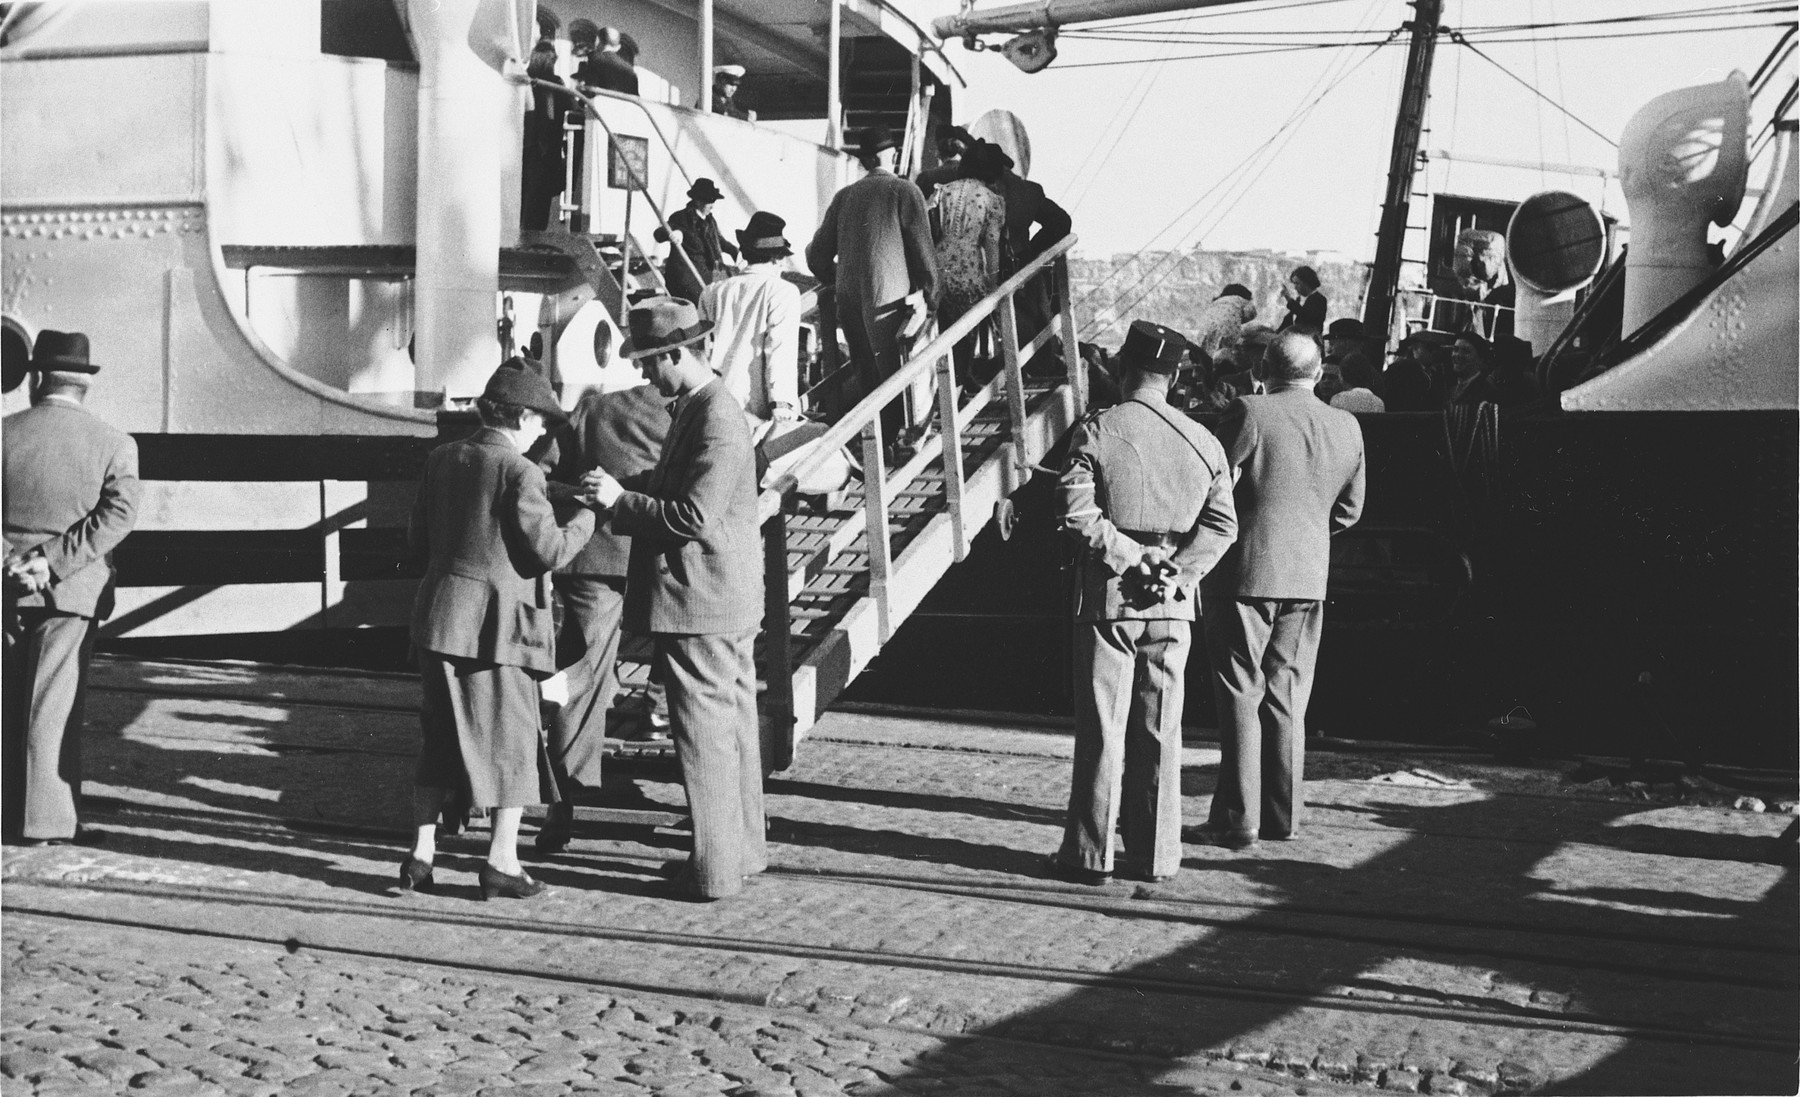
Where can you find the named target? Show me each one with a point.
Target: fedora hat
(873, 139)
(62, 351)
(515, 382)
(661, 324)
(763, 235)
(1152, 347)
(1345, 328)
(704, 190)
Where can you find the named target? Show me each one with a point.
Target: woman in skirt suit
(481, 624)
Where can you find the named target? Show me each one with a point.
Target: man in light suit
(1299, 469)
(873, 247)
(71, 494)
(695, 584)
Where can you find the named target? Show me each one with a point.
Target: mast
(1378, 306)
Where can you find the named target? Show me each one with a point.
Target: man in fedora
(1298, 465)
(756, 324)
(71, 494)
(873, 247)
(697, 235)
(695, 585)
(1147, 495)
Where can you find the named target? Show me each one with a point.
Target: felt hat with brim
(704, 190)
(1152, 347)
(1345, 328)
(61, 351)
(516, 383)
(763, 235)
(873, 139)
(660, 324)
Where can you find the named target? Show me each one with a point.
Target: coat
(71, 490)
(484, 525)
(701, 240)
(1299, 465)
(873, 245)
(696, 553)
(621, 432)
(756, 338)
(1141, 476)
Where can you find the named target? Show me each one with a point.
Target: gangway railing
(895, 583)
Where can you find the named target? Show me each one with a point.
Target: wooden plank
(200, 610)
(223, 505)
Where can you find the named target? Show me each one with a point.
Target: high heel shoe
(495, 884)
(415, 875)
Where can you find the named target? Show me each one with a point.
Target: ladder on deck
(839, 583)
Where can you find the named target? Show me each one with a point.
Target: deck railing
(880, 487)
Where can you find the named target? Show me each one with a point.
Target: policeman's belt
(1152, 540)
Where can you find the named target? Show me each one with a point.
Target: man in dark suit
(695, 584)
(1035, 304)
(602, 65)
(71, 494)
(1146, 493)
(621, 432)
(873, 247)
(1299, 469)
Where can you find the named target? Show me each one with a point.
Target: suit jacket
(71, 484)
(1028, 205)
(1299, 468)
(874, 243)
(608, 70)
(701, 240)
(696, 553)
(621, 432)
(490, 539)
(1139, 476)
(756, 338)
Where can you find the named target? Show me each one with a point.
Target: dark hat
(1346, 328)
(705, 190)
(660, 325)
(1236, 289)
(763, 235)
(875, 138)
(1152, 347)
(517, 383)
(64, 351)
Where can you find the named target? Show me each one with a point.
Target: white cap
(736, 72)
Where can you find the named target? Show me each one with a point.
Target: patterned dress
(971, 217)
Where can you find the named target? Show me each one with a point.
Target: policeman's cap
(1152, 347)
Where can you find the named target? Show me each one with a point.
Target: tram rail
(413, 914)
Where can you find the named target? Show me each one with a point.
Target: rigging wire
(1461, 41)
(1254, 47)
(1241, 185)
(1110, 127)
(1477, 30)
(1153, 74)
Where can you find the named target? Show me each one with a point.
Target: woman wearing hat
(481, 624)
(756, 324)
(971, 221)
(697, 234)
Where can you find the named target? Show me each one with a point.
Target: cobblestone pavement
(134, 1011)
(1445, 925)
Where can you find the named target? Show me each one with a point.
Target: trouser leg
(1105, 654)
(1152, 788)
(1288, 669)
(56, 650)
(874, 339)
(712, 709)
(588, 654)
(1237, 631)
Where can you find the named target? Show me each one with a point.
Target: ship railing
(1422, 312)
(881, 487)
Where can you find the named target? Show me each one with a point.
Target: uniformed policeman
(1146, 493)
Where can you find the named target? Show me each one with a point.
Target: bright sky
(1127, 147)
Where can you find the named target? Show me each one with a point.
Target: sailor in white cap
(726, 79)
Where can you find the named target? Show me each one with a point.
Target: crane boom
(1056, 13)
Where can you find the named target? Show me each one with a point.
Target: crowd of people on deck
(547, 531)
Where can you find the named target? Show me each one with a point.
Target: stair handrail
(868, 410)
(638, 183)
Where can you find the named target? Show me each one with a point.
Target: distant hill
(1171, 289)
